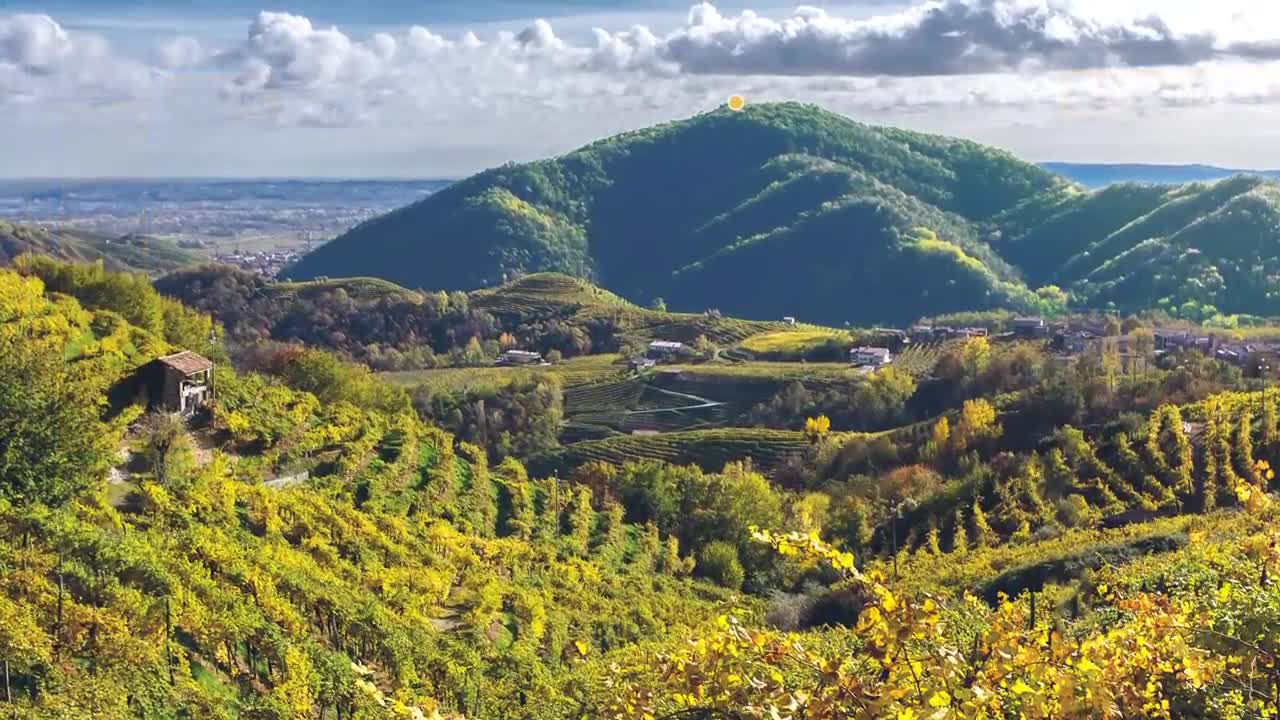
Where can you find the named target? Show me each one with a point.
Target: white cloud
(546, 88)
(177, 53)
(40, 60)
(941, 52)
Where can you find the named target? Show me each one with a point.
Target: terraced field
(920, 359)
(576, 371)
(709, 449)
(364, 287)
(602, 396)
(548, 295)
(545, 293)
(629, 405)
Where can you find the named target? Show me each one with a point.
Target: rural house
(519, 357)
(870, 356)
(179, 383)
(665, 349)
(1030, 327)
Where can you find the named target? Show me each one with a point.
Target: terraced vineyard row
(920, 359)
(550, 295)
(620, 394)
(577, 371)
(709, 449)
(659, 421)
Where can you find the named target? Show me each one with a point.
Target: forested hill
(1195, 250)
(779, 209)
(132, 254)
(791, 210)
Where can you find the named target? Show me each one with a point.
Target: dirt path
(702, 403)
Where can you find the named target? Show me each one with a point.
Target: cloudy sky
(441, 88)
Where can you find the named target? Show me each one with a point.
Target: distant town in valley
(256, 225)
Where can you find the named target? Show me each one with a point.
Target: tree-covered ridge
(1194, 250)
(126, 254)
(681, 211)
(786, 209)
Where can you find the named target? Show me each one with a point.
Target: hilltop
(131, 253)
(779, 209)
(788, 209)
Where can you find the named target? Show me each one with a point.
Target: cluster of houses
(1084, 338)
(1072, 339)
(268, 263)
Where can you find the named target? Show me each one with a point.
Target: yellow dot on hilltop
(737, 102)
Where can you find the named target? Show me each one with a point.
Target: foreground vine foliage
(907, 658)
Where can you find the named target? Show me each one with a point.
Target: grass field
(795, 341)
(575, 371)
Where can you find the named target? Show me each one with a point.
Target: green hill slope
(777, 204)
(129, 254)
(1207, 244)
(404, 578)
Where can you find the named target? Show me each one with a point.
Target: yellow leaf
(1021, 688)
(940, 699)
(1087, 665)
(582, 646)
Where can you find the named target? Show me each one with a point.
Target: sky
(444, 88)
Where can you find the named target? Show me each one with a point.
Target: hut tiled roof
(187, 362)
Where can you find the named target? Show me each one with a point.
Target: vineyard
(632, 405)
(357, 287)
(550, 295)
(920, 359)
(601, 396)
(709, 449)
(576, 371)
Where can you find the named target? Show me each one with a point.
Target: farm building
(642, 363)
(519, 357)
(663, 349)
(1030, 327)
(179, 383)
(870, 356)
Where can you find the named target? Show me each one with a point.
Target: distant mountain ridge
(788, 209)
(1098, 175)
